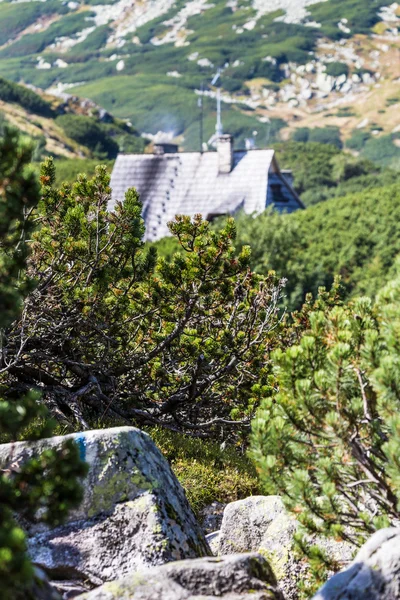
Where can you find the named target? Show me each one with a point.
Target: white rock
(120, 66)
(367, 79)
(61, 64)
(205, 62)
(363, 124)
(250, 25)
(324, 82)
(262, 524)
(42, 64)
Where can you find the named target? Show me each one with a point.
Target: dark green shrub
(361, 16)
(12, 92)
(46, 486)
(328, 439)
(358, 139)
(14, 19)
(326, 135)
(87, 132)
(336, 69)
(33, 43)
(302, 134)
(382, 151)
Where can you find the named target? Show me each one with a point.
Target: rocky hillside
(65, 126)
(286, 64)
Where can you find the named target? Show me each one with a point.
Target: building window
(277, 193)
(212, 216)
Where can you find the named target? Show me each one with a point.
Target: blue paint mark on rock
(81, 441)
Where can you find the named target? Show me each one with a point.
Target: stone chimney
(225, 153)
(165, 148)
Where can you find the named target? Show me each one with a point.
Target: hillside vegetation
(356, 236)
(69, 129)
(284, 64)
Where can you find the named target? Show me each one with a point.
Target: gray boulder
(134, 513)
(373, 575)
(238, 577)
(262, 524)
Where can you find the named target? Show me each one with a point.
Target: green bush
(68, 169)
(12, 92)
(382, 151)
(326, 135)
(89, 133)
(318, 135)
(336, 69)
(301, 135)
(33, 43)
(45, 487)
(358, 139)
(310, 162)
(361, 16)
(328, 439)
(206, 471)
(14, 20)
(170, 323)
(356, 236)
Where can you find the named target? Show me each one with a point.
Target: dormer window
(277, 193)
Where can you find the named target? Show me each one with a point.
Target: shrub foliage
(47, 482)
(328, 439)
(111, 331)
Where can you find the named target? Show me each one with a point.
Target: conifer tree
(328, 438)
(111, 332)
(47, 482)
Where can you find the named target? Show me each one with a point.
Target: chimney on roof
(225, 153)
(165, 148)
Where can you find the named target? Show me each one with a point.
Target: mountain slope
(293, 63)
(66, 127)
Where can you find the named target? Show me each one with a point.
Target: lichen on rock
(134, 513)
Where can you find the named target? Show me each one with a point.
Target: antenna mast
(200, 104)
(219, 130)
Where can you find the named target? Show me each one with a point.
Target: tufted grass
(206, 471)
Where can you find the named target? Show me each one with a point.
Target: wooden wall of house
(279, 195)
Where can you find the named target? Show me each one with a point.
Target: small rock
(211, 516)
(213, 541)
(238, 577)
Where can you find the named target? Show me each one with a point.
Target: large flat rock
(134, 513)
(239, 577)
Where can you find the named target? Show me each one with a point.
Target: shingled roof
(192, 182)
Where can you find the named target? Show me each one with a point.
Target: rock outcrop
(262, 524)
(373, 575)
(231, 578)
(134, 513)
